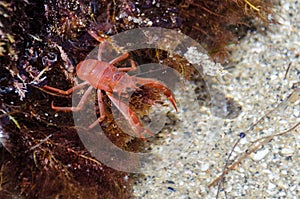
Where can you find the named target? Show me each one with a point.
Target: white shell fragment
(259, 155)
(287, 151)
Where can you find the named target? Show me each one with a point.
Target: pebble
(259, 155)
(205, 167)
(288, 151)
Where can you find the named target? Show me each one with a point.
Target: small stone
(205, 167)
(284, 172)
(271, 186)
(260, 155)
(287, 151)
(242, 135)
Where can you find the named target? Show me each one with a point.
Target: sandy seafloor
(193, 153)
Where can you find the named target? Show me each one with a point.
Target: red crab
(105, 76)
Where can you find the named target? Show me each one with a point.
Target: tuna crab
(105, 76)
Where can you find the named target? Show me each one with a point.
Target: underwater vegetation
(41, 44)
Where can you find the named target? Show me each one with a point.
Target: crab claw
(131, 117)
(161, 87)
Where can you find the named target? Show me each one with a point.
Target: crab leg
(78, 107)
(94, 34)
(126, 69)
(101, 109)
(130, 116)
(67, 92)
(120, 58)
